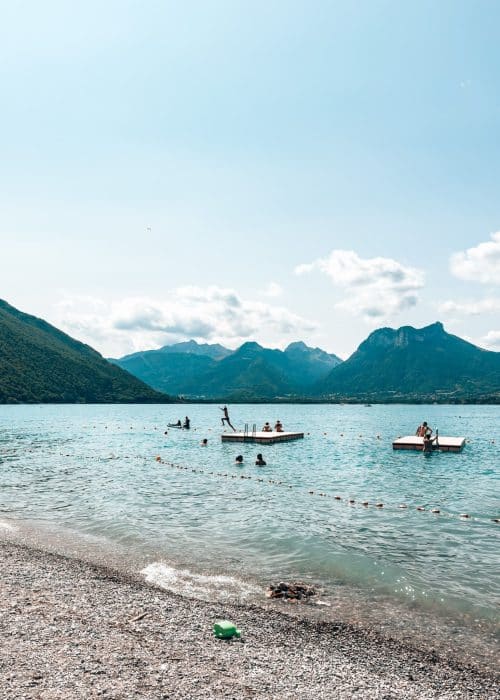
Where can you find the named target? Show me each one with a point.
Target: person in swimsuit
(225, 418)
(423, 430)
(428, 440)
(259, 462)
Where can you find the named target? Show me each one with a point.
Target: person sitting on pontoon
(267, 427)
(278, 427)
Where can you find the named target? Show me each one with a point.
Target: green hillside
(410, 364)
(174, 373)
(249, 373)
(41, 364)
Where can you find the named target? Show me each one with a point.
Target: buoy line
(322, 494)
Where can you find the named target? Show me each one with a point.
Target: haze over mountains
(39, 363)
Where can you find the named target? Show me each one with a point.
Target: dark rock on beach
(291, 591)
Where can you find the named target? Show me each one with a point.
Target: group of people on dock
(278, 427)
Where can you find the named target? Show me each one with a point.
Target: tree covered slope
(41, 364)
(415, 364)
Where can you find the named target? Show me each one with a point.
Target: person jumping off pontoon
(225, 419)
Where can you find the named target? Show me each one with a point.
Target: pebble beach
(74, 629)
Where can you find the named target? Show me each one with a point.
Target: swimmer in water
(259, 462)
(428, 440)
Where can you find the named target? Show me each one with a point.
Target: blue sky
(268, 171)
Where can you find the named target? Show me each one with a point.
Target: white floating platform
(261, 436)
(444, 443)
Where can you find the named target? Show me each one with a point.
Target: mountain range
(392, 365)
(41, 364)
(214, 372)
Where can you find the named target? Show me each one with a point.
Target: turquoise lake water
(91, 471)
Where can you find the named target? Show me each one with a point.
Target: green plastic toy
(223, 629)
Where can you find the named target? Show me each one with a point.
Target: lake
(192, 524)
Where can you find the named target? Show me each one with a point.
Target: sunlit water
(92, 470)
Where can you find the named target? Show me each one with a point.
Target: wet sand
(72, 629)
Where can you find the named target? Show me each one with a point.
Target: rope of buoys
(322, 494)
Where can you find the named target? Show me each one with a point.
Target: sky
(271, 171)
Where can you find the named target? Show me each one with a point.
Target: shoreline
(77, 629)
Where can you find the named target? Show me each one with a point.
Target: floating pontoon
(444, 444)
(262, 436)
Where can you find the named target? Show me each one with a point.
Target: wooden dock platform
(444, 443)
(261, 436)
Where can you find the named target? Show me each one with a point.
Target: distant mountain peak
(296, 345)
(250, 345)
(416, 363)
(404, 335)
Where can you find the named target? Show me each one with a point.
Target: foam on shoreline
(7, 526)
(200, 586)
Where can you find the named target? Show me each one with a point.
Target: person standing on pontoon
(225, 419)
(424, 430)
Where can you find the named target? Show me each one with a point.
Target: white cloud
(491, 340)
(479, 264)
(376, 288)
(273, 290)
(488, 305)
(209, 314)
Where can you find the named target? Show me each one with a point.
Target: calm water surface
(92, 470)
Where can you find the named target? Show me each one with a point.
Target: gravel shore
(71, 630)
